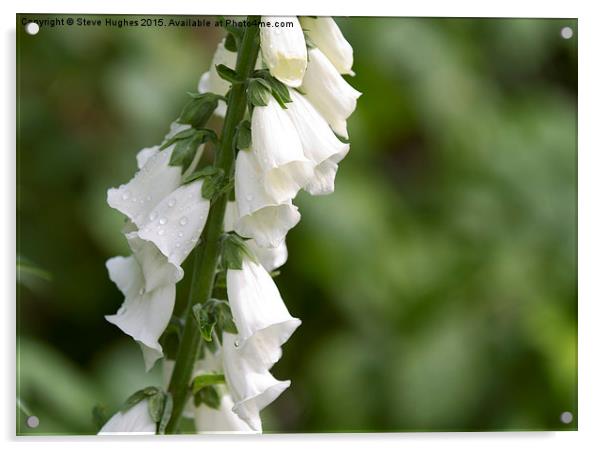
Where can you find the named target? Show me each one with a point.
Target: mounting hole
(33, 422)
(32, 28)
(566, 33)
(566, 417)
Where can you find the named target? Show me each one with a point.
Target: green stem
(207, 253)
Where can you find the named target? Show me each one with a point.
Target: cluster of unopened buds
(288, 134)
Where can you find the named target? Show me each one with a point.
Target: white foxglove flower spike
(250, 383)
(284, 50)
(258, 310)
(319, 143)
(326, 35)
(144, 315)
(260, 216)
(136, 420)
(326, 89)
(279, 153)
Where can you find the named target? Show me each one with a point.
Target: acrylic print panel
(430, 286)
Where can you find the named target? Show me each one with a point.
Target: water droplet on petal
(249, 197)
(178, 245)
(125, 196)
(161, 232)
(183, 221)
(180, 234)
(148, 198)
(163, 220)
(171, 203)
(236, 343)
(153, 216)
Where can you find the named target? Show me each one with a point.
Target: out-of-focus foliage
(437, 285)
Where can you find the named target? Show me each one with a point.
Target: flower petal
(258, 309)
(284, 50)
(136, 420)
(137, 198)
(156, 269)
(319, 143)
(252, 386)
(222, 420)
(285, 168)
(270, 258)
(330, 94)
(260, 216)
(176, 223)
(143, 315)
(326, 35)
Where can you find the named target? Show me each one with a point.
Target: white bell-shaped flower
(151, 184)
(279, 152)
(258, 310)
(211, 82)
(175, 224)
(326, 35)
(156, 270)
(320, 145)
(136, 420)
(260, 215)
(270, 258)
(144, 315)
(326, 89)
(222, 420)
(284, 50)
(249, 381)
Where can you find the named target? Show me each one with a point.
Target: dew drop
(148, 198)
(153, 216)
(180, 234)
(236, 343)
(125, 196)
(171, 203)
(183, 221)
(249, 197)
(161, 232)
(163, 220)
(178, 245)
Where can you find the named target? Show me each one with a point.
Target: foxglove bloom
(144, 314)
(211, 82)
(259, 311)
(285, 169)
(326, 89)
(136, 420)
(271, 258)
(319, 144)
(260, 215)
(223, 419)
(251, 384)
(326, 35)
(284, 50)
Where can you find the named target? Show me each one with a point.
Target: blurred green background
(438, 284)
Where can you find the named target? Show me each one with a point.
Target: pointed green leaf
(258, 92)
(207, 379)
(199, 109)
(227, 74)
